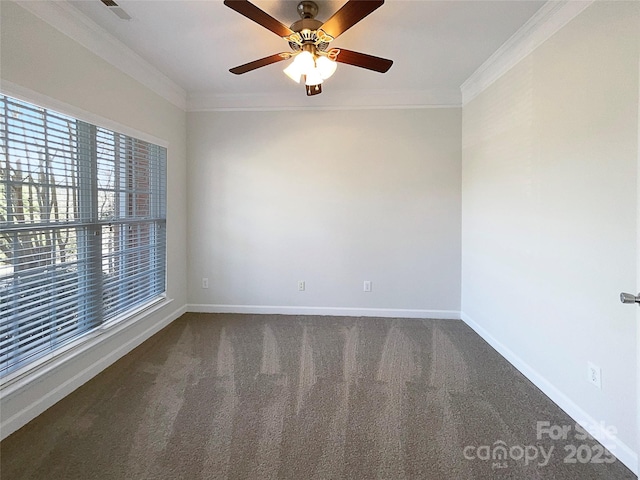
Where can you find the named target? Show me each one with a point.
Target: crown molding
(329, 100)
(551, 17)
(70, 21)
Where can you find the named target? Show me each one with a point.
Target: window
(82, 229)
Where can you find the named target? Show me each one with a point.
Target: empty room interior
(410, 267)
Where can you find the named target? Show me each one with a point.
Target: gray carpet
(302, 398)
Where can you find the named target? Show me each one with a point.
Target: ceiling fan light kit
(312, 66)
(309, 39)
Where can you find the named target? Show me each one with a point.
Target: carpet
(220, 396)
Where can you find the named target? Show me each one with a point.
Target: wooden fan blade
(249, 10)
(363, 60)
(351, 13)
(263, 62)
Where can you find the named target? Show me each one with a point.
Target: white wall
(549, 215)
(39, 60)
(329, 197)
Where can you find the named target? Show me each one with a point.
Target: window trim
(21, 93)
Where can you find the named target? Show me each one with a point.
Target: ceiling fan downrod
(307, 9)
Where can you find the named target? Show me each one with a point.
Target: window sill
(46, 364)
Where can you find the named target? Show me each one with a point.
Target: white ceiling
(435, 46)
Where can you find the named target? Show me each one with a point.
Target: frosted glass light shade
(315, 69)
(325, 67)
(313, 77)
(305, 62)
(293, 72)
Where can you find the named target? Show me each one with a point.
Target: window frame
(106, 328)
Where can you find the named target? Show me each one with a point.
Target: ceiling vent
(115, 8)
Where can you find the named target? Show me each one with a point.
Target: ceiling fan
(309, 40)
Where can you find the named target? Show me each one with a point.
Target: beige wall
(43, 63)
(333, 198)
(549, 215)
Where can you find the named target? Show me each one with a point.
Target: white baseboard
(596, 429)
(21, 386)
(328, 311)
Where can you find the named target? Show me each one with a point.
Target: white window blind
(82, 228)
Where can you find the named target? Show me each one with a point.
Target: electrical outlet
(367, 286)
(594, 374)
(205, 282)
(301, 286)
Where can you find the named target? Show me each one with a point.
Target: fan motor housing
(307, 28)
(305, 23)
